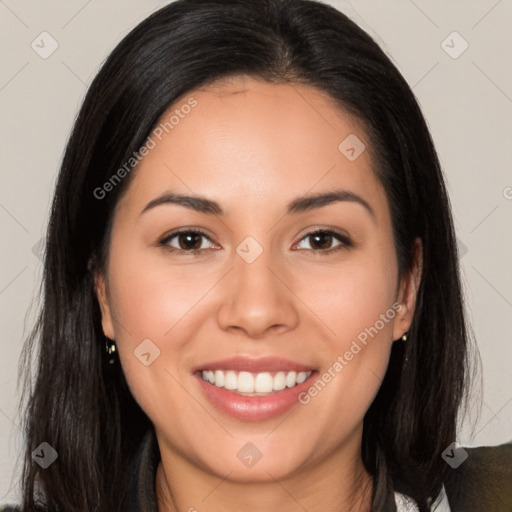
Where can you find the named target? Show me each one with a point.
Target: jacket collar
(141, 495)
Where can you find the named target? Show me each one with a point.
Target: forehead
(248, 139)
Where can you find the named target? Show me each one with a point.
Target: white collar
(405, 504)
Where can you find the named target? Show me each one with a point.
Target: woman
(251, 292)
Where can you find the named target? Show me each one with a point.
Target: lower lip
(254, 408)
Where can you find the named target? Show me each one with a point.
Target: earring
(404, 337)
(110, 347)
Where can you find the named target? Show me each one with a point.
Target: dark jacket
(482, 483)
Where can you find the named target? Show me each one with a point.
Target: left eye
(190, 242)
(323, 237)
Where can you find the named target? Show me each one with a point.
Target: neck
(340, 482)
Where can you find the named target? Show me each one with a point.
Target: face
(262, 288)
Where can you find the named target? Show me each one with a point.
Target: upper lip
(252, 365)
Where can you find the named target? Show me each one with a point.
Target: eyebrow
(295, 207)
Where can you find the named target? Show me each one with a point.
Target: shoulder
(483, 481)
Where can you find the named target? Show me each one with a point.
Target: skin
(253, 147)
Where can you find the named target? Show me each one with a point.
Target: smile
(254, 384)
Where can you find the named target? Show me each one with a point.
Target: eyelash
(345, 241)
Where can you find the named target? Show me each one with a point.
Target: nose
(258, 298)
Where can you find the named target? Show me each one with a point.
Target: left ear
(407, 292)
(107, 320)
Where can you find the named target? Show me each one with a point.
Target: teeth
(219, 378)
(301, 377)
(230, 380)
(255, 384)
(279, 381)
(245, 382)
(263, 383)
(291, 379)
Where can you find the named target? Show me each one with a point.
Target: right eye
(189, 241)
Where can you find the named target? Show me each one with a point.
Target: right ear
(100, 287)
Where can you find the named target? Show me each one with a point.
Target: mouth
(254, 389)
(254, 384)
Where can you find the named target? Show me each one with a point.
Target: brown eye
(190, 241)
(321, 241)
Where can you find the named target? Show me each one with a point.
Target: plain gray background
(466, 97)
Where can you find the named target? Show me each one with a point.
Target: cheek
(351, 298)
(151, 303)
(152, 296)
(155, 309)
(357, 304)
